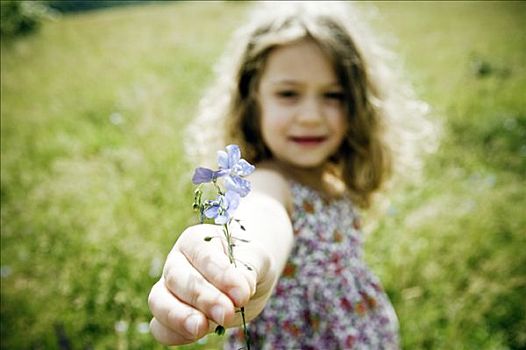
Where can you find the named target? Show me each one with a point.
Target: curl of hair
(388, 126)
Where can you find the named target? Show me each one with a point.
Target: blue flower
(231, 161)
(222, 209)
(237, 184)
(234, 168)
(230, 165)
(204, 175)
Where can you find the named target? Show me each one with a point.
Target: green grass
(95, 188)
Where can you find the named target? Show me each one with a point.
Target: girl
(301, 94)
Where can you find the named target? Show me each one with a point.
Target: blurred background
(95, 187)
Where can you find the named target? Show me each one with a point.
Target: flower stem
(245, 329)
(228, 237)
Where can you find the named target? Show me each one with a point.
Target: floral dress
(326, 297)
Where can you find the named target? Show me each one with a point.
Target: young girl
(304, 95)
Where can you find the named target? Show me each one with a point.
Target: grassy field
(95, 188)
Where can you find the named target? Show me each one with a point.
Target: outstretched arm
(200, 288)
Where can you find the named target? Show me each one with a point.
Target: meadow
(95, 186)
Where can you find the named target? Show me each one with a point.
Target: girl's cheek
(333, 107)
(335, 113)
(277, 115)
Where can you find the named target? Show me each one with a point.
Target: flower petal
(212, 212)
(234, 155)
(222, 160)
(221, 219)
(221, 172)
(237, 184)
(243, 168)
(202, 175)
(233, 200)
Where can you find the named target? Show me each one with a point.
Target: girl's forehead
(302, 61)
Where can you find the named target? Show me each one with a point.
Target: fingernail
(236, 294)
(218, 314)
(191, 324)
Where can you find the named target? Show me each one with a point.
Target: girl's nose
(310, 111)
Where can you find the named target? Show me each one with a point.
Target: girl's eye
(336, 96)
(287, 94)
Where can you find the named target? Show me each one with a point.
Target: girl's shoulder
(268, 179)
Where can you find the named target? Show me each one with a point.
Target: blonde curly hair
(385, 120)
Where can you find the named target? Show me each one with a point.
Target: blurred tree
(21, 17)
(85, 5)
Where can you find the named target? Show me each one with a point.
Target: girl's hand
(200, 288)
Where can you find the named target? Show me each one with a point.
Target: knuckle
(157, 332)
(188, 236)
(174, 319)
(171, 279)
(226, 276)
(204, 298)
(151, 299)
(209, 298)
(194, 297)
(153, 330)
(193, 255)
(167, 270)
(182, 240)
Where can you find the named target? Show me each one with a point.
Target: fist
(201, 288)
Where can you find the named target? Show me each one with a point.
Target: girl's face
(301, 102)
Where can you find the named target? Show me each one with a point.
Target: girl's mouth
(308, 140)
